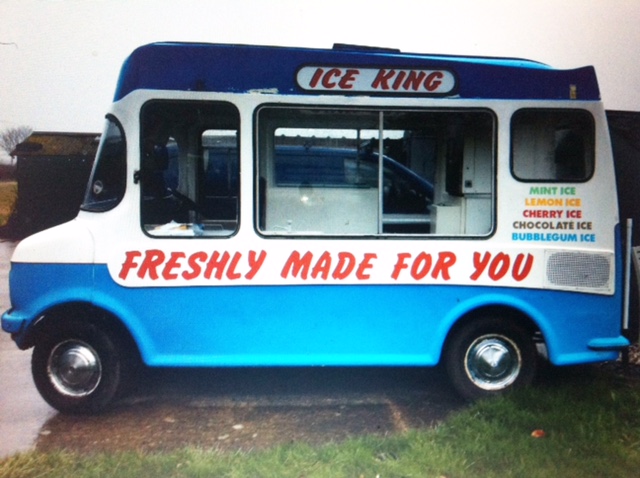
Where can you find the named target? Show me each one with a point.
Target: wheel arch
(84, 311)
(511, 313)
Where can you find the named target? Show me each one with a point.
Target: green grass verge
(8, 196)
(591, 425)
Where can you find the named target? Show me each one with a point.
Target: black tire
(77, 367)
(490, 356)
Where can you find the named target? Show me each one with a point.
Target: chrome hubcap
(74, 368)
(493, 362)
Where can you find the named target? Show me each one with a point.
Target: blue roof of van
(244, 68)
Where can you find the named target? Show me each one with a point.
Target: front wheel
(77, 368)
(490, 356)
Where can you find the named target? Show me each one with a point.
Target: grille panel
(579, 269)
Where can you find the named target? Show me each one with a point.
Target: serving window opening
(357, 172)
(190, 169)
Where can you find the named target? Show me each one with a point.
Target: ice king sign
(376, 80)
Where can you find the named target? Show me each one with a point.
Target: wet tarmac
(22, 411)
(229, 409)
(243, 409)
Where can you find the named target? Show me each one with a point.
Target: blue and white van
(265, 206)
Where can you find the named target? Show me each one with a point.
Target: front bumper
(15, 324)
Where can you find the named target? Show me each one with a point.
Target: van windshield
(108, 179)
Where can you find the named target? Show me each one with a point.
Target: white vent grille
(579, 270)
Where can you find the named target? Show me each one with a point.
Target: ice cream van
(354, 206)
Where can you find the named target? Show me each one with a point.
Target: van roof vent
(364, 48)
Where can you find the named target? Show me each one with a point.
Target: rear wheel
(489, 356)
(77, 367)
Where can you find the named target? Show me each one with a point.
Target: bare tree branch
(12, 137)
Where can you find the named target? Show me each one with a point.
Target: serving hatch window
(354, 172)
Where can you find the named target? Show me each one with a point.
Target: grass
(8, 196)
(591, 425)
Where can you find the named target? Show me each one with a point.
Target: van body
(268, 206)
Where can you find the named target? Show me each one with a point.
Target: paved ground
(256, 408)
(22, 411)
(226, 408)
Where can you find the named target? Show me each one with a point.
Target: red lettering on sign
(231, 271)
(421, 266)
(364, 266)
(316, 78)
(154, 264)
(216, 263)
(346, 263)
(520, 270)
(172, 263)
(433, 81)
(400, 265)
(387, 80)
(346, 82)
(300, 265)
(398, 81)
(195, 267)
(255, 263)
(414, 80)
(171, 266)
(152, 260)
(382, 78)
(500, 264)
(480, 263)
(129, 263)
(445, 261)
(323, 266)
(334, 77)
(327, 80)
(297, 265)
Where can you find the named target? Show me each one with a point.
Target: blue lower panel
(309, 325)
(284, 326)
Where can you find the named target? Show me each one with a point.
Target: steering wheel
(186, 202)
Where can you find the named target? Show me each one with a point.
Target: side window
(356, 172)
(190, 169)
(552, 145)
(109, 176)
